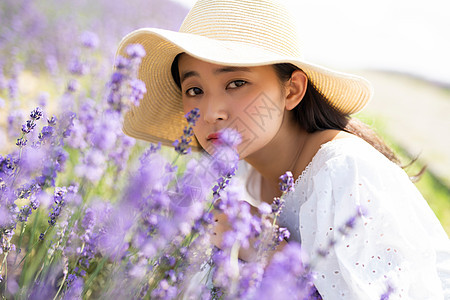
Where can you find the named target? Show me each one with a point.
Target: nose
(215, 109)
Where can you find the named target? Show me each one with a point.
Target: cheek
(263, 112)
(187, 106)
(258, 121)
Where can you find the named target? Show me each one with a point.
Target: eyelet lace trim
(322, 149)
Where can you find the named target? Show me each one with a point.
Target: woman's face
(248, 100)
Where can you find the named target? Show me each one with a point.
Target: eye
(237, 83)
(193, 91)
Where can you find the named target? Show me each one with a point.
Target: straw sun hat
(225, 32)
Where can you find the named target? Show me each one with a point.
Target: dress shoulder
(398, 241)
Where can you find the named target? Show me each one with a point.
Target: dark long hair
(314, 113)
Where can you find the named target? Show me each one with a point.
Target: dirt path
(416, 114)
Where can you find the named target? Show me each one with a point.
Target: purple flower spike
(193, 116)
(121, 62)
(138, 91)
(135, 51)
(36, 114)
(387, 294)
(283, 233)
(287, 182)
(265, 208)
(230, 137)
(89, 40)
(182, 145)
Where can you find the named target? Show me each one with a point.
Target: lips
(213, 137)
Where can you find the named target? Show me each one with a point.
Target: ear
(295, 89)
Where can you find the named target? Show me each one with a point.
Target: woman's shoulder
(346, 151)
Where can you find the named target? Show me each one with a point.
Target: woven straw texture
(225, 32)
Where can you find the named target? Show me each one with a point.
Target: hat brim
(160, 116)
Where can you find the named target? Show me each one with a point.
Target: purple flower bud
(182, 145)
(46, 132)
(52, 64)
(387, 294)
(116, 78)
(264, 208)
(34, 202)
(135, 51)
(193, 116)
(43, 99)
(121, 62)
(138, 91)
(78, 67)
(230, 137)
(36, 114)
(72, 86)
(287, 182)
(52, 121)
(24, 213)
(89, 40)
(21, 142)
(283, 233)
(28, 126)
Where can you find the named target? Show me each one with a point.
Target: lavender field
(89, 213)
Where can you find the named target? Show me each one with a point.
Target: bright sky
(411, 36)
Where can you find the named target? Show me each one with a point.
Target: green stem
(22, 230)
(60, 286)
(16, 171)
(93, 276)
(5, 263)
(175, 159)
(35, 243)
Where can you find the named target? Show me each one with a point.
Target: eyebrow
(187, 74)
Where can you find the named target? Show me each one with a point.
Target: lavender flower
(13, 88)
(73, 85)
(24, 213)
(121, 63)
(135, 51)
(75, 288)
(112, 241)
(286, 277)
(36, 114)
(283, 233)
(58, 204)
(230, 137)
(89, 39)
(46, 132)
(182, 145)
(123, 83)
(78, 67)
(265, 208)
(225, 155)
(138, 91)
(287, 182)
(386, 295)
(277, 205)
(29, 125)
(14, 122)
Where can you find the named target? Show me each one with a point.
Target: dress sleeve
(398, 242)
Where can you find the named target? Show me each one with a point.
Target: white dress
(399, 241)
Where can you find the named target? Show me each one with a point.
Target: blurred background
(401, 46)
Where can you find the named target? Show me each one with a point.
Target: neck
(281, 154)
